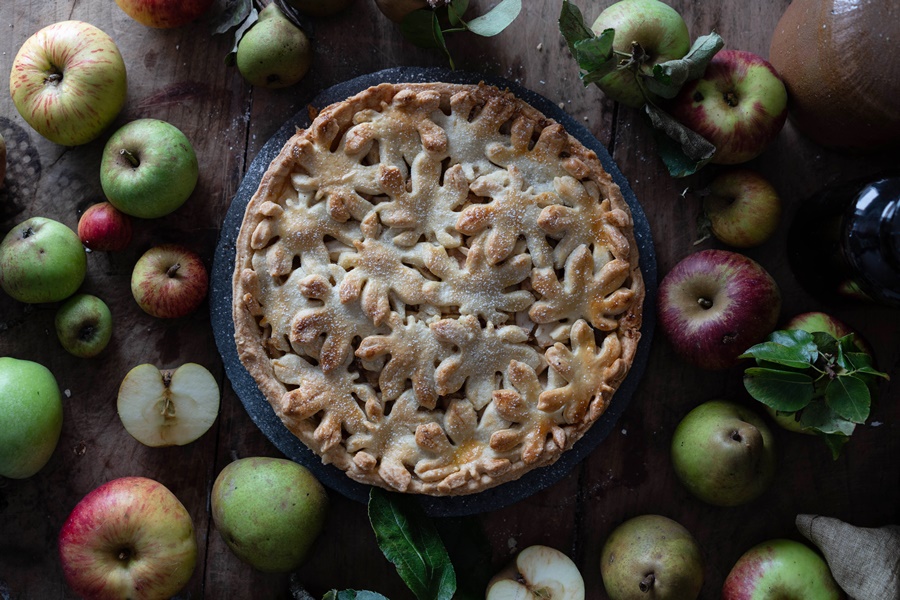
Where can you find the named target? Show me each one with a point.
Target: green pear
(724, 453)
(269, 511)
(274, 53)
(31, 416)
(651, 556)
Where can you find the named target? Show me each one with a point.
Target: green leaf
(668, 77)
(819, 417)
(861, 363)
(849, 397)
(683, 151)
(786, 391)
(251, 19)
(835, 442)
(596, 54)
(497, 19)
(455, 11)
(470, 553)
(408, 539)
(796, 349)
(419, 28)
(232, 15)
(572, 27)
(825, 342)
(353, 595)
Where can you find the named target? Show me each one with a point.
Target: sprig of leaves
(826, 384)
(682, 150)
(427, 27)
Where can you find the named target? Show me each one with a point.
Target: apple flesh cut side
(715, 304)
(539, 573)
(129, 538)
(168, 408)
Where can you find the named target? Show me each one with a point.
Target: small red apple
(742, 207)
(169, 281)
(740, 105)
(129, 538)
(105, 228)
(164, 14)
(715, 304)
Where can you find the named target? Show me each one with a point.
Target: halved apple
(538, 573)
(168, 407)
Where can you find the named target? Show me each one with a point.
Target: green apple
(274, 53)
(148, 168)
(742, 207)
(68, 82)
(269, 511)
(656, 27)
(724, 453)
(84, 325)
(651, 556)
(41, 260)
(31, 416)
(781, 569)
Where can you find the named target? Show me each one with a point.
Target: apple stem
(731, 99)
(173, 270)
(705, 303)
(647, 583)
(130, 157)
(54, 78)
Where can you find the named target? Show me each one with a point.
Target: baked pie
(436, 287)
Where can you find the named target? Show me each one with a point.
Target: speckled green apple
(148, 168)
(269, 511)
(68, 82)
(31, 417)
(41, 260)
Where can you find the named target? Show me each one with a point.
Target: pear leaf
(786, 391)
(495, 20)
(232, 14)
(684, 152)
(668, 77)
(849, 397)
(251, 20)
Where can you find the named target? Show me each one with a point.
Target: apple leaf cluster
(682, 150)
(826, 383)
(426, 27)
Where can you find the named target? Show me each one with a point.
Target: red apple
(715, 304)
(742, 207)
(781, 570)
(164, 14)
(740, 105)
(129, 538)
(169, 281)
(105, 228)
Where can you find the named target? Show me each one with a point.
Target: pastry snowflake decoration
(437, 288)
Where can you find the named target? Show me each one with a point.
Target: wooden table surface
(180, 76)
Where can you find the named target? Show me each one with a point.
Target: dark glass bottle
(844, 242)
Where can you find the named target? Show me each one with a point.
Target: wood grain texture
(180, 76)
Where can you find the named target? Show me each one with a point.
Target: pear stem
(647, 583)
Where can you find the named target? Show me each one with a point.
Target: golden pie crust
(436, 287)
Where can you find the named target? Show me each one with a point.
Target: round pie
(436, 287)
